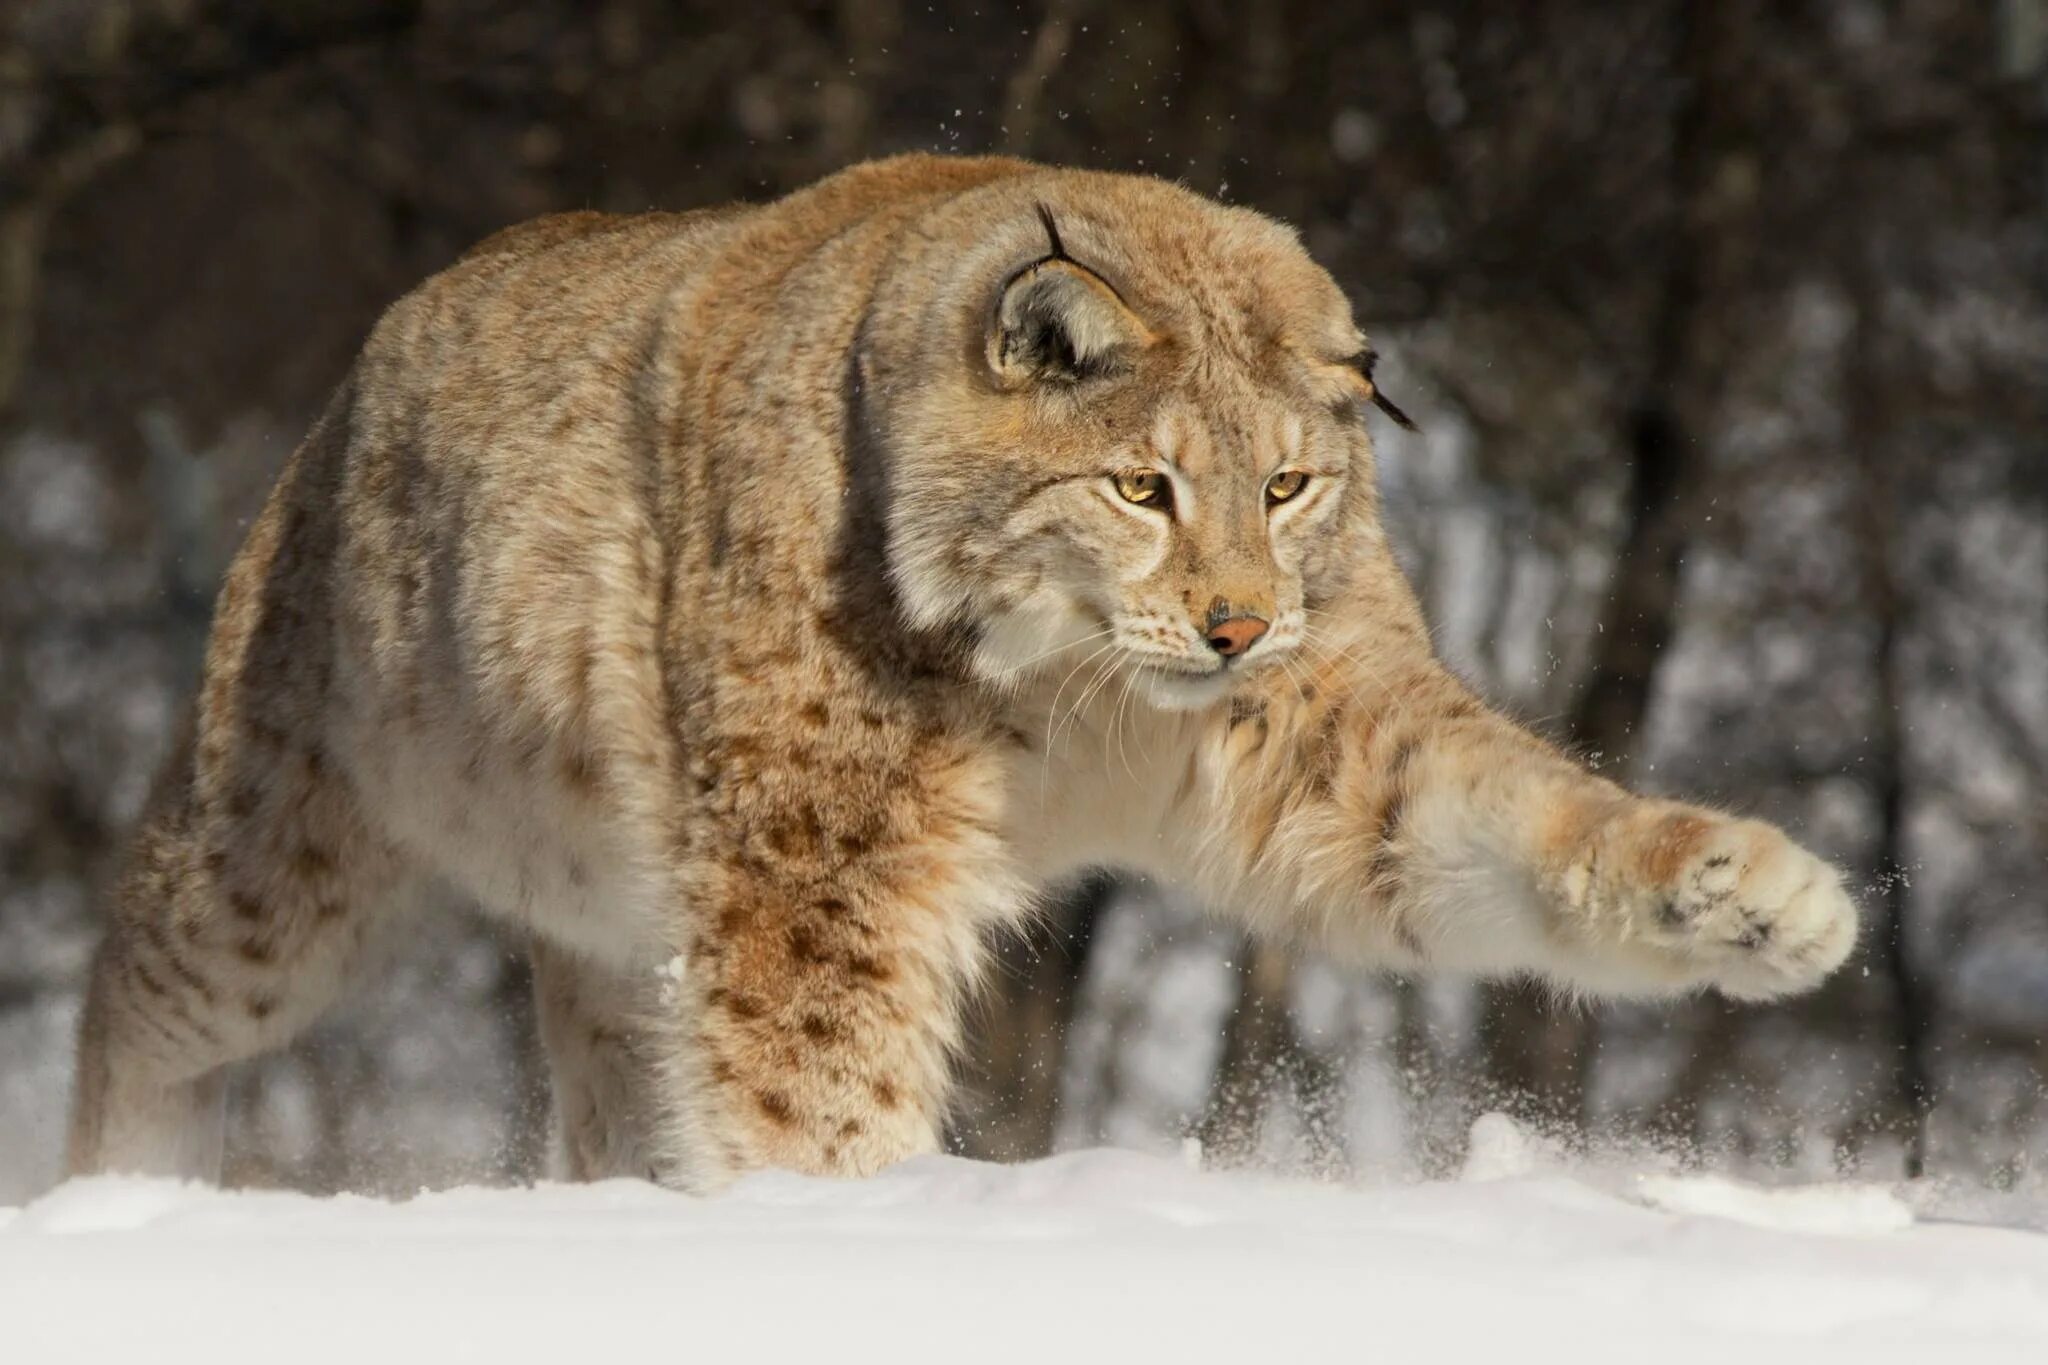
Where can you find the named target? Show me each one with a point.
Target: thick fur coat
(760, 605)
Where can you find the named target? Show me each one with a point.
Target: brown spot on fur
(820, 1029)
(244, 906)
(312, 861)
(721, 1070)
(852, 1128)
(777, 1107)
(816, 713)
(1676, 839)
(147, 980)
(189, 978)
(869, 969)
(244, 801)
(886, 1094)
(260, 952)
(1324, 751)
(162, 1029)
(804, 946)
(786, 839)
(153, 931)
(261, 1006)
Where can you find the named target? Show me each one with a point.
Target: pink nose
(1235, 636)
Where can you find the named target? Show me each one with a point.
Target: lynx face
(1154, 475)
(1181, 558)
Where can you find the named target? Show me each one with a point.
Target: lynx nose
(1233, 637)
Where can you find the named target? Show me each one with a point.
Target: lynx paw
(1761, 915)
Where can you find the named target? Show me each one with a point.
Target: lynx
(759, 606)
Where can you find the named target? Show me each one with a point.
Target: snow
(1093, 1255)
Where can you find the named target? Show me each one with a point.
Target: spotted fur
(747, 604)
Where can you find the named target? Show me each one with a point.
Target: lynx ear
(1059, 322)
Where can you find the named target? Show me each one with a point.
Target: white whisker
(1052, 713)
(1004, 675)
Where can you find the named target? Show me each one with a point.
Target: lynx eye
(1145, 487)
(1284, 485)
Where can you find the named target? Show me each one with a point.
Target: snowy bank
(1093, 1255)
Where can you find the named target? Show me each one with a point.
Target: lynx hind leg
(592, 1023)
(242, 909)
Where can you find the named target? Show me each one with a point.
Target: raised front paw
(1758, 915)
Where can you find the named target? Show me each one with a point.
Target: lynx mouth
(1182, 670)
(1174, 687)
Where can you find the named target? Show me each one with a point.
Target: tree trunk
(1022, 1044)
(1879, 512)
(1539, 1058)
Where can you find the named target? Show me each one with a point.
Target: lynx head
(1127, 425)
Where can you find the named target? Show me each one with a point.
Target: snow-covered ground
(1092, 1255)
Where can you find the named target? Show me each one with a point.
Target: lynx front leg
(831, 941)
(1435, 834)
(1498, 855)
(817, 1035)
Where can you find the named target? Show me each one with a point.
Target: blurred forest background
(1726, 321)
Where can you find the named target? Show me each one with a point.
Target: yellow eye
(1145, 487)
(1285, 485)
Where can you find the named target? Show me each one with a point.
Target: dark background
(1727, 323)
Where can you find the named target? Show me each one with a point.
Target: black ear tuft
(1386, 405)
(1052, 234)
(1364, 362)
